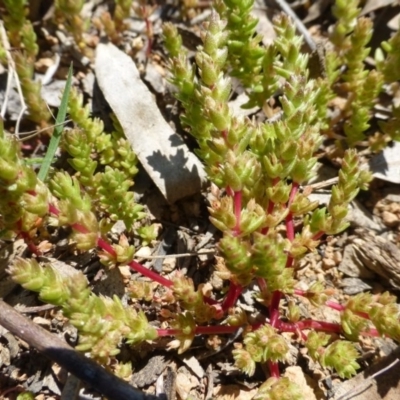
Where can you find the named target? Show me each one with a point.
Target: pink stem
(54, 210)
(276, 297)
(168, 332)
(293, 192)
(290, 227)
(80, 228)
(335, 306)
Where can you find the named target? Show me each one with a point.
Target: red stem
(273, 369)
(319, 326)
(289, 218)
(270, 209)
(237, 200)
(104, 245)
(318, 235)
(276, 297)
(308, 324)
(215, 330)
(54, 210)
(200, 330)
(231, 297)
(262, 284)
(150, 274)
(372, 332)
(335, 306)
(293, 192)
(274, 308)
(229, 191)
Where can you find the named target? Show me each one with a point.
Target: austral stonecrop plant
(259, 172)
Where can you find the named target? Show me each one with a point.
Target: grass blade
(55, 139)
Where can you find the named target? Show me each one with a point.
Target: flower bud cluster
(193, 300)
(351, 180)
(346, 13)
(364, 309)
(389, 65)
(261, 345)
(75, 210)
(186, 325)
(70, 13)
(244, 43)
(340, 355)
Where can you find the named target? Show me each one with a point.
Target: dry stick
(9, 75)
(300, 26)
(64, 355)
(323, 184)
(39, 131)
(13, 71)
(180, 255)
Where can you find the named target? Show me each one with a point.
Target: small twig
(35, 309)
(48, 76)
(180, 255)
(210, 383)
(323, 184)
(64, 355)
(300, 26)
(13, 71)
(9, 75)
(31, 134)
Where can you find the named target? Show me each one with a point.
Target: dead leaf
(372, 5)
(394, 22)
(386, 165)
(194, 366)
(176, 172)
